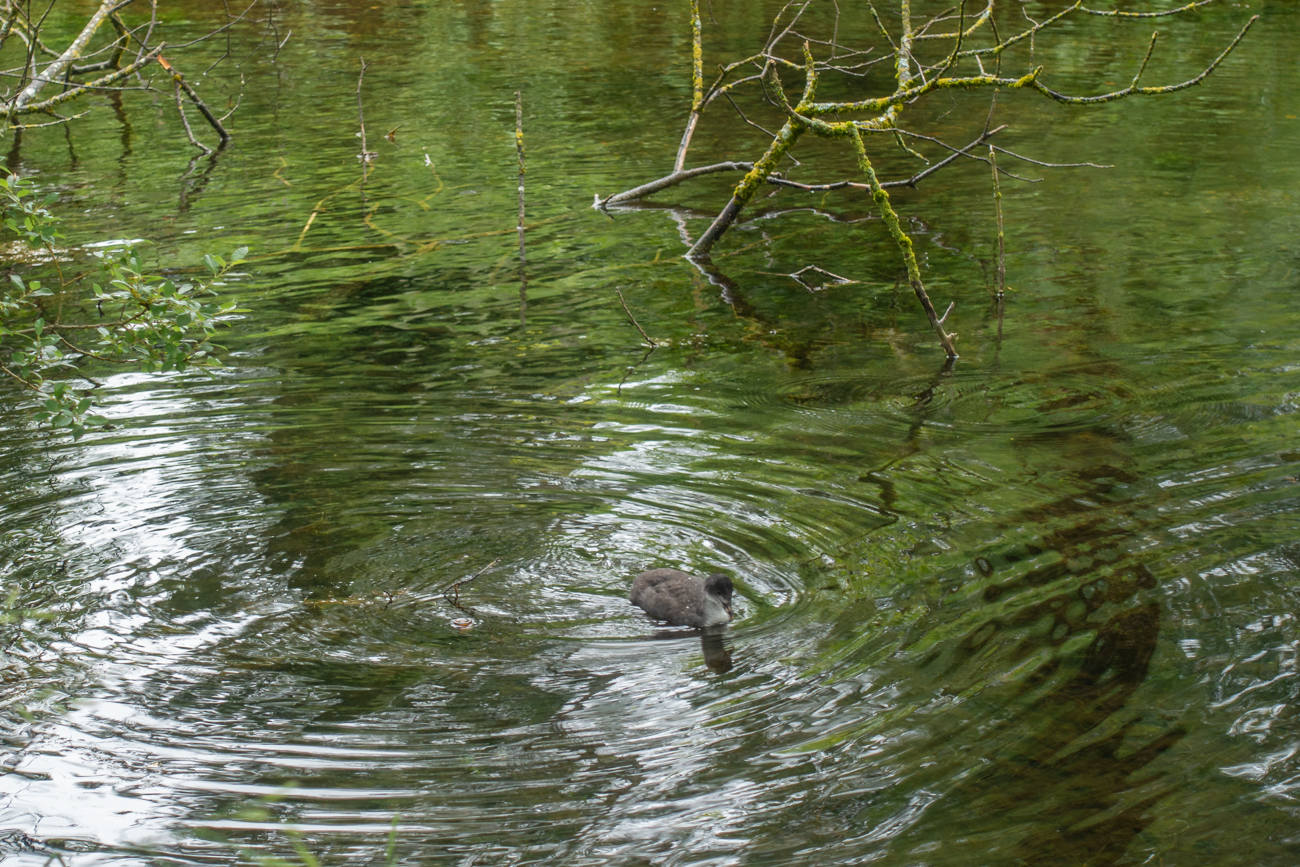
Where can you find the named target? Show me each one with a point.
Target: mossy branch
(890, 216)
(1134, 90)
(98, 84)
(697, 85)
(55, 70)
(918, 74)
(1167, 12)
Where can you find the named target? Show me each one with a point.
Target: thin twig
(1186, 8)
(671, 180)
(955, 155)
(619, 391)
(231, 23)
(454, 588)
(523, 259)
(817, 188)
(366, 154)
(1050, 165)
(238, 100)
(628, 311)
(997, 204)
(61, 120)
(956, 152)
(764, 130)
(207, 113)
(280, 47)
(185, 121)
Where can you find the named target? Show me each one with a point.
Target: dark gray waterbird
(683, 599)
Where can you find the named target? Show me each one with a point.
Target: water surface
(1037, 607)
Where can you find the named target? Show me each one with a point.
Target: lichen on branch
(942, 52)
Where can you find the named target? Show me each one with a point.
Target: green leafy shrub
(127, 317)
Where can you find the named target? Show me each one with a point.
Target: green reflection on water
(1034, 608)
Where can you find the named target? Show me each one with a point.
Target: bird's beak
(727, 608)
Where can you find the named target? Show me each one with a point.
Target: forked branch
(927, 55)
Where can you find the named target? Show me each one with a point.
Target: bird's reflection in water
(714, 642)
(716, 647)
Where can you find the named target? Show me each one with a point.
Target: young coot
(683, 599)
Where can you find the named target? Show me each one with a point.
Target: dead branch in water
(955, 50)
(523, 259)
(628, 311)
(454, 588)
(366, 155)
(180, 84)
(997, 206)
(88, 55)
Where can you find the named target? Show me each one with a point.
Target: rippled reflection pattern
(1037, 607)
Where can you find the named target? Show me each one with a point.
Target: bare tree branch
(55, 70)
(98, 84)
(672, 180)
(920, 71)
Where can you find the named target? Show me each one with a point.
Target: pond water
(1036, 607)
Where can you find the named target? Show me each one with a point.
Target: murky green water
(1037, 608)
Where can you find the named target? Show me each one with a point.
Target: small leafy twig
(148, 321)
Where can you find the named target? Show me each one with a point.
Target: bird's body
(682, 599)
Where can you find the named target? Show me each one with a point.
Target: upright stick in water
(1002, 250)
(519, 148)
